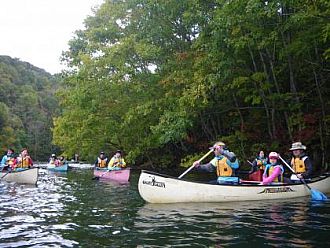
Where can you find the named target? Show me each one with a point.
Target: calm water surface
(73, 210)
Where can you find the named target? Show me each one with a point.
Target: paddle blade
(318, 196)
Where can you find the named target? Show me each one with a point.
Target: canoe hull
(115, 175)
(157, 188)
(62, 168)
(29, 176)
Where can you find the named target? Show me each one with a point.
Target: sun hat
(219, 143)
(297, 146)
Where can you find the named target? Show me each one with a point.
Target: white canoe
(81, 166)
(29, 176)
(158, 188)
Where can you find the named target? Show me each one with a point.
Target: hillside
(27, 105)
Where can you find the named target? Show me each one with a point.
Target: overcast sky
(37, 31)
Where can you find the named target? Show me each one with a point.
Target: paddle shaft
(5, 174)
(301, 180)
(191, 167)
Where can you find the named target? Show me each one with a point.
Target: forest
(164, 80)
(27, 106)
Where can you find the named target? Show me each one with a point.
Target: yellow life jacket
(223, 169)
(119, 162)
(277, 179)
(101, 162)
(24, 163)
(298, 165)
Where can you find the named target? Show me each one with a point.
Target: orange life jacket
(101, 162)
(24, 162)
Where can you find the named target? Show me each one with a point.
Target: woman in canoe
(273, 171)
(224, 163)
(53, 160)
(8, 159)
(117, 161)
(259, 163)
(24, 160)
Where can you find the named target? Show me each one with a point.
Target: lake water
(73, 210)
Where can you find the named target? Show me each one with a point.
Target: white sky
(37, 31)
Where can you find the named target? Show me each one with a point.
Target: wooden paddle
(191, 167)
(315, 194)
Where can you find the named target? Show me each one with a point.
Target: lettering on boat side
(276, 190)
(153, 182)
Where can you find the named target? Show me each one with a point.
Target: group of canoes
(159, 188)
(20, 169)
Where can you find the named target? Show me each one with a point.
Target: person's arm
(3, 160)
(122, 163)
(276, 172)
(209, 167)
(30, 161)
(111, 163)
(254, 166)
(309, 168)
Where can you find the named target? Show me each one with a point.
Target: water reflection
(269, 222)
(29, 213)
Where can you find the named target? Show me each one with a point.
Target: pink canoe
(116, 175)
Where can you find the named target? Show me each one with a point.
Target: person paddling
(53, 161)
(8, 159)
(117, 161)
(101, 161)
(224, 163)
(300, 162)
(260, 162)
(24, 160)
(273, 171)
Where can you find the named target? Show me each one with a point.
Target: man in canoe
(117, 161)
(273, 171)
(300, 162)
(101, 161)
(224, 163)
